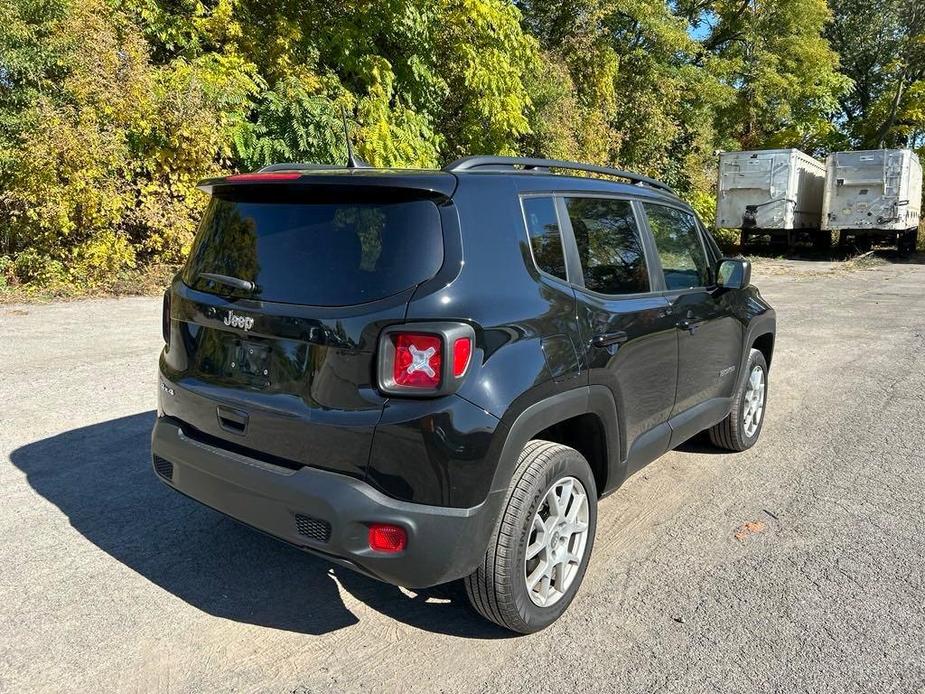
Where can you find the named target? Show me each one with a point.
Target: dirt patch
(748, 529)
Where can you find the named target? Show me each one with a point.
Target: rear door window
(680, 248)
(545, 238)
(609, 245)
(332, 254)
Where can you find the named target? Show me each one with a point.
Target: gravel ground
(796, 566)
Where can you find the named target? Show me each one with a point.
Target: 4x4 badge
(234, 321)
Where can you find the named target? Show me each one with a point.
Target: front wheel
(542, 542)
(740, 429)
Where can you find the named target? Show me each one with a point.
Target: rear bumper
(326, 513)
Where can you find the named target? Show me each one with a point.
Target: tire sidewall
(756, 358)
(568, 463)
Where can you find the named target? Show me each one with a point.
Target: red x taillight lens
(418, 360)
(424, 359)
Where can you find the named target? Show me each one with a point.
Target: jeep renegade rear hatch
(318, 254)
(276, 320)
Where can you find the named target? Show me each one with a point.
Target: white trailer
(873, 194)
(772, 192)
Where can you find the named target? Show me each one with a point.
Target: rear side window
(684, 261)
(609, 245)
(545, 238)
(332, 254)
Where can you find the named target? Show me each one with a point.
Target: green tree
(783, 72)
(882, 48)
(642, 100)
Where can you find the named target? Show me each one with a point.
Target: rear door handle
(607, 339)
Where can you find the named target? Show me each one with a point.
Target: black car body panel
(622, 377)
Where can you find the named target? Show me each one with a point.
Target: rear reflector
(418, 359)
(384, 537)
(268, 176)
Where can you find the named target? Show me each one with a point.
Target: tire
(737, 432)
(498, 588)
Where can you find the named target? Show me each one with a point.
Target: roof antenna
(353, 162)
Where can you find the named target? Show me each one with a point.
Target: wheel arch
(760, 332)
(583, 418)
(764, 343)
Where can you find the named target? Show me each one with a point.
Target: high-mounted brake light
(424, 359)
(268, 176)
(385, 537)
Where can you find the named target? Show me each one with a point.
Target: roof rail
(529, 164)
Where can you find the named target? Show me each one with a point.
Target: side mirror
(733, 273)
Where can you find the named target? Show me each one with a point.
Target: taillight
(165, 317)
(462, 351)
(418, 360)
(424, 359)
(385, 537)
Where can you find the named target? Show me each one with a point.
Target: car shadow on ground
(100, 477)
(701, 445)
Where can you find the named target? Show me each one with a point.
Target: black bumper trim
(444, 543)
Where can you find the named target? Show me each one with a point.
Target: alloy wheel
(754, 401)
(557, 542)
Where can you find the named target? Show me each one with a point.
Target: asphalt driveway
(796, 566)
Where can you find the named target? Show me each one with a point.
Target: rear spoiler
(317, 180)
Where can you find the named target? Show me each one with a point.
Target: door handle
(689, 326)
(608, 339)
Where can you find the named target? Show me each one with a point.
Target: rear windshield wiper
(237, 283)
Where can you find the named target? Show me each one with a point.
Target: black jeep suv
(434, 375)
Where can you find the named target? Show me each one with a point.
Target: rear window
(333, 254)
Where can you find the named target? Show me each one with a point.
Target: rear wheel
(741, 428)
(542, 542)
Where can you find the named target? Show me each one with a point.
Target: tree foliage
(112, 110)
(882, 47)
